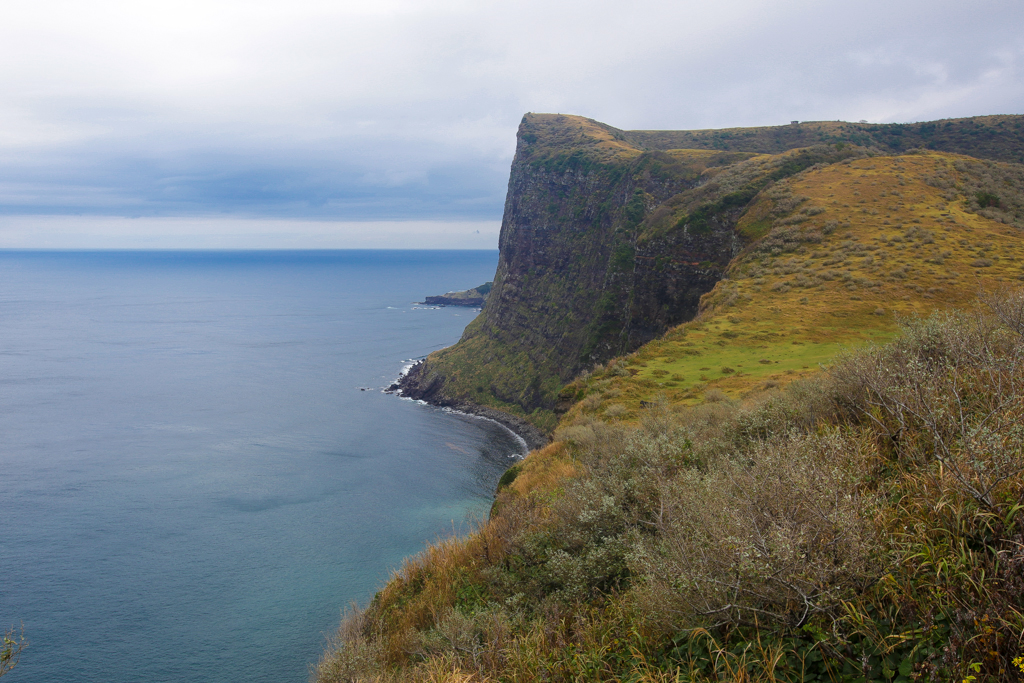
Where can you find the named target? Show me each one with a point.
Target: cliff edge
(609, 238)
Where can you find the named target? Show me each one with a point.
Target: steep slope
(610, 238)
(852, 247)
(693, 520)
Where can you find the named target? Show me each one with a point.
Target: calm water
(192, 482)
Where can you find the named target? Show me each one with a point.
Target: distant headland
(473, 298)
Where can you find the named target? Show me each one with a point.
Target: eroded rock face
(575, 283)
(608, 239)
(572, 280)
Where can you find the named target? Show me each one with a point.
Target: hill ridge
(604, 246)
(701, 514)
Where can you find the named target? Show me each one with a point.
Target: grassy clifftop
(610, 238)
(850, 248)
(819, 477)
(999, 138)
(991, 137)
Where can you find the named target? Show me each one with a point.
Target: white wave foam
(520, 440)
(410, 363)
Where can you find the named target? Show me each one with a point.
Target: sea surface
(198, 468)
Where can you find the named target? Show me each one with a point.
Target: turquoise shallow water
(193, 480)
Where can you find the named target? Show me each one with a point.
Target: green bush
(864, 525)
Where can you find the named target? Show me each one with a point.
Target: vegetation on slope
(715, 507)
(851, 247)
(999, 138)
(860, 525)
(603, 294)
(611, 237)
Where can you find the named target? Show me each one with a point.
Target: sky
(316, 123)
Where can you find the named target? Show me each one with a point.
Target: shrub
(615, 410)
(715, 396)
(944, 404)
(11, 649)
(763, 540)
(850, 527)
(949, 388)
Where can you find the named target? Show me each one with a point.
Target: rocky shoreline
(413, 385)
(473, 298)
(472, 302)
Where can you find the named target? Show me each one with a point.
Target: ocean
(198, 467)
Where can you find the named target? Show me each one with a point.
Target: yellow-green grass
(548, 134)
(890, 245)
(709, 161)
(542, 470)
(991, 137)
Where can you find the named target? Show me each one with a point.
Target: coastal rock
(474, 298)
(423, 386)
(610, 238)
(475, 302)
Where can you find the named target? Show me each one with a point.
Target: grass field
(702, 517)
(868, 242)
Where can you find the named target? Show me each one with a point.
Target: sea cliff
(610, 238)
(815, 476)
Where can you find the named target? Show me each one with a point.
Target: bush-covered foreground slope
(610, 238)
(817, 477)
(863, 524)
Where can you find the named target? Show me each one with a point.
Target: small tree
(10, 653)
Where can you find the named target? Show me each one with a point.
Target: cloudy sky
(315, 123)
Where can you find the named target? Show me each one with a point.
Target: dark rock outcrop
(474, 298)
(415, 385)
(610, 237)
(474, 302)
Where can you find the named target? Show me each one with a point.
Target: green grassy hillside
(860, 525)
(818, 478)
(610, 238)
(852, 248)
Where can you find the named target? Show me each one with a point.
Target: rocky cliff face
(611, 237)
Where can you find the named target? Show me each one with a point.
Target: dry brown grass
(558, 132)
(544, 469)
(856, 246)
(420, 596)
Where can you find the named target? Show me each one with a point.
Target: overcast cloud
(292, 113)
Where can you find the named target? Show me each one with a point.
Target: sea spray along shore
(508, 422)
(786, 431)
(408, 386)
